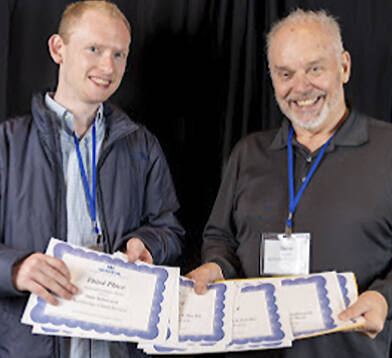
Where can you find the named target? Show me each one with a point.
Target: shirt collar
(353, 132)
(66, 118)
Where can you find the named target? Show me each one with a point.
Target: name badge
(285, 255)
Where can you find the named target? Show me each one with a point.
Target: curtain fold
(197, 76)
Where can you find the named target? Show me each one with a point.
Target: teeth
(307, 102)
(101, 81)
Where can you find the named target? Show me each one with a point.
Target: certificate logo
(109, 269)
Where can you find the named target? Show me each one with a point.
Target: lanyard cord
(294, 200)
(91, 198)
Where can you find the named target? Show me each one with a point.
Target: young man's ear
(56, 45)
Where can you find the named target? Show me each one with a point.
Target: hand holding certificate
(152, 305)
(117, 300)
(262, 315)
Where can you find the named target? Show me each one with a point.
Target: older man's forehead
(302, 37)
(311, 31)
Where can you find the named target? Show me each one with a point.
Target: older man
(327, 172)
(78, 169)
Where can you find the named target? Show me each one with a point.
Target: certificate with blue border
(117, 300)
(314, 314)
(259, 320)
(315, 302)
(205, 321)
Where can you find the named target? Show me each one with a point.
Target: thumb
(134, 249)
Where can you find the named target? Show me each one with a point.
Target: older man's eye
(119, 55)
(93, 49)
(285, 75)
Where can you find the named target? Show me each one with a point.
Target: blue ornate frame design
(343, 286)
(207, 339)
(217, 333)
(38, 312)
(322, 293)
(277, 334)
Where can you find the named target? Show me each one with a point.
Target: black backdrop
(197, 77)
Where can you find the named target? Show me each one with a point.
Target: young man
(126, 202)
(346, 205)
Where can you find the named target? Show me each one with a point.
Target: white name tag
(282, 255)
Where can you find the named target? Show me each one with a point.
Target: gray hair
(300, 16)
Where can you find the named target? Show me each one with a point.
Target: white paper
(116, 300)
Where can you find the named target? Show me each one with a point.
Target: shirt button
(303, 179)
(309, 159)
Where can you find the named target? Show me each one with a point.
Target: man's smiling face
(93, 59)
(308, 74)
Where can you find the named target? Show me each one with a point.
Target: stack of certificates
(154, 306)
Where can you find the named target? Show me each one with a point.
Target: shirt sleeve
(383, 284)
(219, 237)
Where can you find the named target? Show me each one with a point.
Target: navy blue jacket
(135, 195)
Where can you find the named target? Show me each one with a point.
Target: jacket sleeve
(160, 230)
(219, 237)
(9, 256)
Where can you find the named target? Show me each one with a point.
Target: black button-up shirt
(347, 208)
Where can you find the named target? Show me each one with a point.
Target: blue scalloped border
(343, 285)
(37, 313)
(277, 333)
(324, 301)
(218, 332)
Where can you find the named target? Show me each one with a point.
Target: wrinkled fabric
(346, 207)
(135, 196)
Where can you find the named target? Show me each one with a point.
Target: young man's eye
(93, 49)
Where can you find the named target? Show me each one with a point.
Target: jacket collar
(353, 132)
(118, 124)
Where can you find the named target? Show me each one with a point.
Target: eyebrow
(282, 68)
(309, 64)
(315, 62)
(105, 45)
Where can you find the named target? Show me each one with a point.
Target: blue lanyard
(294, 200)
(91, 197)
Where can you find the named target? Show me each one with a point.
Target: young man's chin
(99, 98)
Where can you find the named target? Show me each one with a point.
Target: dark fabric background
(197, 77)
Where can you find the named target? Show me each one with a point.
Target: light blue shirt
(79, 226)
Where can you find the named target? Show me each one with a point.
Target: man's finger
(39, 273)
(59, 265)
(373, 307)
(57, 282)
(201, 280)
(137, 251)
(205, 274)
(51, 285)
(41, 292)
(356, 310)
